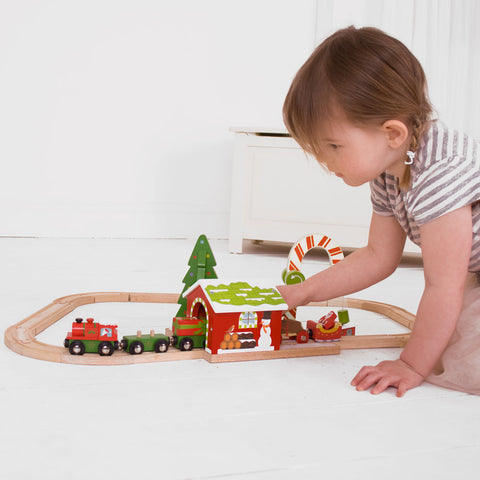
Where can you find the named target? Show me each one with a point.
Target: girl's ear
(396, 132)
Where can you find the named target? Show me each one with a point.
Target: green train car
(188, 333)
(137, 344)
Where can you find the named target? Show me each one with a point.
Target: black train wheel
(161, 346)
(76, 347)
(186, 344)
(136, 347)
(105, 349)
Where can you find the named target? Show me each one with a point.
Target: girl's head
(366, 76)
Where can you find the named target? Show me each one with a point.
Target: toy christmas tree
(201, 265)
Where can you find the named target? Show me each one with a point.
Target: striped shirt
(445, 176)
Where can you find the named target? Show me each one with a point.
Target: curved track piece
(21, 337)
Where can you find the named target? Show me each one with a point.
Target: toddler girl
(360, 106)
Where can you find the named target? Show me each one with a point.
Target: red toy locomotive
(91, 337)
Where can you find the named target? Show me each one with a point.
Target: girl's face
(359, 154)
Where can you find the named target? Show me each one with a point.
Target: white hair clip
(411, 156)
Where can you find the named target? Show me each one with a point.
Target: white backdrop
(114, 114)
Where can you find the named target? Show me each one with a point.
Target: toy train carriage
(293, 330)
(91, 337)
(319, 333)
(188, 333)
(328, 328)
(153, 342)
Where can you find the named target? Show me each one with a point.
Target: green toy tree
(201, 265)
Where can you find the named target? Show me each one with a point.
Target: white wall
(114, 114)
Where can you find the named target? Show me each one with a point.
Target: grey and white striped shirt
(445, 176)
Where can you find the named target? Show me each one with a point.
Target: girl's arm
(364, 267)
(446, 248)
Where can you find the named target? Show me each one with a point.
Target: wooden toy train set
(217, 320)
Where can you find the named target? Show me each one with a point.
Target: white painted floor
(276, 419)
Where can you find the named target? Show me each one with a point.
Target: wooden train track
(21, 337)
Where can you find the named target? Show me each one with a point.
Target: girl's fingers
(363, 372)
(367, 378)
(382, 385)
(386, 374)
(402, 389)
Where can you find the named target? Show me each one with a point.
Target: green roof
(240, 296)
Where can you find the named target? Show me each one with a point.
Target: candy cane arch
(292, 273)
(300, 249)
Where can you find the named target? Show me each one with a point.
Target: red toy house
(238, 316)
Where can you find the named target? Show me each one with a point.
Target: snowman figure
(265, 340)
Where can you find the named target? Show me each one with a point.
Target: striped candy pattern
(300, 249)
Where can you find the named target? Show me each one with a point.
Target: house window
(248, 320)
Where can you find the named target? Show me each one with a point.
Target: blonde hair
(371, 76)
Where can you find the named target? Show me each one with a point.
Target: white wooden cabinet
(280, 194)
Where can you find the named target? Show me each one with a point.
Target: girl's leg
(459, 367)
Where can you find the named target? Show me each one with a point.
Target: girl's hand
(387, 374)
(294, 295)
